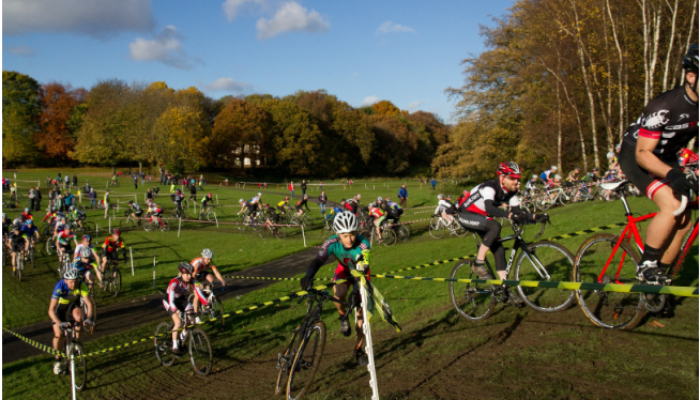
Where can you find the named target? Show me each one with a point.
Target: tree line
(562, 79)
(306, 133)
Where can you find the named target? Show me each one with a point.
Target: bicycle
(327, 230)
(206, 214)
(115, 183)
(19, 264)
(388, 237)
(403, 232)
(305, 220)
(197, 341)
(63, 264)
(154, 223)
(130, 222)
(112, 278)
(75, 356)
(83, 226)
(179, 212)
(547, 198)
(547, 261)
(438, 224)
(299, 362)
(214, 312)
(613, 310)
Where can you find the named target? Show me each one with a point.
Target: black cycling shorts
(202, 276)
(65, 310)
(645, 181)
(17, 245)
(180, 304)
(111, 255)
(487, 228)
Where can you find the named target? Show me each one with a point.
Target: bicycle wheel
(459, 229)
(209, 216)
(473, 301)
(284, 364)
(115, 282)
(436, 228)
(20, 266)
(83, 306)
(402, 233)
(163, 342)
(49, 247)
(546, 258)
(127, 224)
(306, 362)
(543, 202)
(88, 227)
(242, 223)
(609, 310)
(149, 225)
(79, 365)
(388, 237)
(32, 254)
(200, 352)
(281, 232)
(216, 314)
(165, 227)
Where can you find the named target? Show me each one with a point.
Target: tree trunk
(140, 167)
(674, 13)
(558, 128)
(114, 169)
(623, 106)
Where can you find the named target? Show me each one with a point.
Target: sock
(650, 253)
(478, 262)
(663, 266)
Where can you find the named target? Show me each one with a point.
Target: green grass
(514, 354)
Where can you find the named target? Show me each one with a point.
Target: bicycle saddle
(616, 186)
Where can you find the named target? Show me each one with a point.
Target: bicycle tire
(557, 264)
(127, 224)
(200, 348)
(80, 362)
(217, 313)
(20, 266)
(543, 202)
(209, 216)
(307, 359)
(436, 229)
(281, 232)
(243, 223)
(403, 233)
(148, 226)
(32, 254)
(284, 364)
(609, 310)
(165, 227)
(459, 229)
(88, 227)
(115, 279)
(388, 237)
(163, 342)
(49, 246)
(473, 301)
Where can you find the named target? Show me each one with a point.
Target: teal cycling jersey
(346, 257)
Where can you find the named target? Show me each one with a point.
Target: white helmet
(241, 201)
(380, 199)
(71, 274)
(85, 252)
(611, 154)
(440, 196)
(554, 167)
(557, 176)
(206, 253)
(259, 194)
(534, 176)
(345, 222)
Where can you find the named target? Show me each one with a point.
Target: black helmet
(690, 61)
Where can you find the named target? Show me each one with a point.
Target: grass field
(516, 354)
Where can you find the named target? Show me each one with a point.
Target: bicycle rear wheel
(306, 362)
(436, 228)
(473, 301)
(114, 284)
(543, 202)
(165, 227)
(403, 233)
(49, 246)
(610, 310)
(388, 237)
(200, 352)
(282, 232)
(20, 266)
(547, 258)
(216, 314)
(127, 224)
(163, 342)
(80, 366)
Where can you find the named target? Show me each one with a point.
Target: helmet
(206, 253)
(130, 202)
(85, 252)
(387, 199)
(26, 209)
(358, 196)
(534, 176)
(576, 167)
(185, 268)
(30, 221)
(71, 274)
(306, 196)
(618, 147)
(509, 168)
(611, 154)
(259, 194)
(20, 217)
(440, 196)
(554, 167)
(448, 196)
(241, 201)
(72, 208)
(17, 227)
(266, 205)
(380, 198)
(209, 194)
(345, 222)
(4, 215)
(557, 176)
(594, 169)
(286, 199)
(87, 237)
(690, 61)
(116, 232)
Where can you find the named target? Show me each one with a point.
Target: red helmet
(116, 232)
(286, 199)
(509, 168)
(209, 194)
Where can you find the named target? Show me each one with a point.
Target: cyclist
(136, 210)
(156, 189)
(154, 211)
(476, 214)
(31, 232)
(445, 208)
(573, 175)
(65, 302)
(272, 218)
(349, 248)
(109, 249)
(27, 214)
(175, 300)
(63, 239)
(177, 199)
(378, 216)
(335, 211)
(6, 224)
(114, 180)
(77, 215)
(205, 203)
(84, 265)
(545, 176)
(392, 209)
(530, 186)
(301, 203)
(284, 206)
(648, 159)
(202, 275)
(351, 205)
(17, 243)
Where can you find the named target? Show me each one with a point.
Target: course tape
(207, 222)
(40, 346)
(266, 278)
(682, 291)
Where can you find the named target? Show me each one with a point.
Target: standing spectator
(69, 200)
(106, 201)
(403, 196)
(149, 194)
(66, 180)
(136, 181)
(303, 186)
(433, 183)
(193, 192)
(52, 197)
(75, 181)
(322, 199)
(92, 195)
(320, 185)
(291, 189)
(86, 189)
(226, 182)
(59, 202)
(32, 195)
(37, 199)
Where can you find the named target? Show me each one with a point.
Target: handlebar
(684, 203)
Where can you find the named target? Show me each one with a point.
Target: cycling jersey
(64, 295)
(351, 206)
(485, 199)
(530, 184)
(136, 209)
(346, 257)
(29, 231)
(375, 212)
(206, 200)
(78, 215)
(671, 117)
(64, 239)
(446, 206)
(112, 245)
(17, 241)
(393, 205)
(80, 265)
(200, 266)
(545, 175)
(282, 204)
(177, 288)
(27, 216)
(78, 248)
(51, 216)
(301, 203)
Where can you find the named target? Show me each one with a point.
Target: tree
(386, 107)
(240, 123)
(20, 111)
(182, 138)
(55, 138)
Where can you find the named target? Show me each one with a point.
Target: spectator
(75, 181)
(86, 189)
(291, 189)
(303, 186)
(149, 194)
(59, 202)
(193, 192)
(433, 183)
(52, 197)
(320, 185)
(37, 199)
(106, 200)
(226, 182)
(67, 181)
(403, 196)
(322, 199)
(136, 182)
(69, 200)
(93, 198)
(31, 196)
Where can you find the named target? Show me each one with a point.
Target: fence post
(303, 235)
(131, 254)
(369, 350)
(109, 230)
(217, 199)
(217, 221)
(72, 374)
(179, 225)
(154, 270)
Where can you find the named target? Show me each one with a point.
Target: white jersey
(489, 190)
(444, 205)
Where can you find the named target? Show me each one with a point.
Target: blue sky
(407, 52)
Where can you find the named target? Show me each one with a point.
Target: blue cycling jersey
(64, 295)
(80, 265)
(29, 231)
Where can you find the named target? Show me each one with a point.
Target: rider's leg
(683, 226)
(177, 322)
(359, 333)
(78, 318)
(662, 226)
(340, 291)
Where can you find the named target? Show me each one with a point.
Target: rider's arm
(218, 275)
(494, 211)
(198, 292)
(53, 304)
(84, 293)
(645, 155)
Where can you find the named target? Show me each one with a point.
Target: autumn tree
(20, 110)
(240, 123)
(385, 107)
(55, 137)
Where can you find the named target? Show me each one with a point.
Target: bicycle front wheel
(594, 264)
(49, 246)
(388, 237)
(115, 282)
(436, 228)
(200, 352)
(79, 366)
(216, 314)
(306, 362)
(473, 301)
(127, 224)
(163, 342)
(545, 262)
(284, 364)
(403, 233)
(543, 202)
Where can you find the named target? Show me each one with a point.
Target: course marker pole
(72, 374)
(303, 235)
(368, 344)
(217, 199)
(118, 204)
(131, 254)
(179, 225)
(109, 230)
(217, 221)
(154, 270)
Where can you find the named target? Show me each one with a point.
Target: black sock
(650, 254)
(664, 267)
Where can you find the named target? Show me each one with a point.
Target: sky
(407, 52)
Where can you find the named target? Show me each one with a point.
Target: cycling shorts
(274, 218)
(65, 310)
(66, 247)
(378, 220)
(201, 276)
(138, 213)
(181, 305)
(487, 228)
(110, 255)
(17, 246)
(645, 181)
(343, 272)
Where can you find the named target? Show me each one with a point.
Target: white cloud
(390, 27)
(227, 85)
(97, 18)
(291, 17)
(413, 105)
(369, 100)
(23, 51)
(232, 8)
(164, 47)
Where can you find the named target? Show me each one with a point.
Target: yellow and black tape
(267, 278)
(681, 291)
(40, 346)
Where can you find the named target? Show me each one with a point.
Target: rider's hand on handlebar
(64, 325)
(88, 322)
(680, 183)
(522, 218)
(541, 218)
(306, 282)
